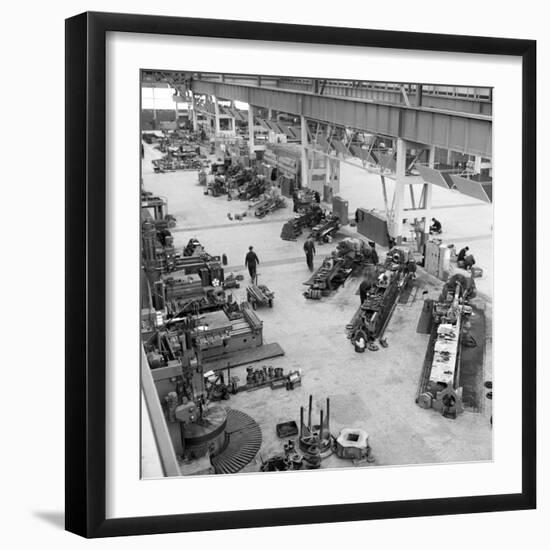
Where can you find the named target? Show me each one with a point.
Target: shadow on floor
(57, 519)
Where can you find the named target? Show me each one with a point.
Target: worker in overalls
(435, 228)
(462, 254)
(309, 249)
(373, 253)
(251, 261)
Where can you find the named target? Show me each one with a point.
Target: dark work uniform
(309, 248)
(461, 255)
(436, 226)
(374, 255)
(295, 202)
(251, 261)
(364, 287)
(469, 261)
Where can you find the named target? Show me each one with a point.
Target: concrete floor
(375, 390)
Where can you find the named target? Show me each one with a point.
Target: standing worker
(295, 200)
(373, 253)
(364, 288)
(469, 261)
(367, 283)
(251, 261)
(309, 249)
(462, 254)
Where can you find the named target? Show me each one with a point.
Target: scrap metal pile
(373, 315)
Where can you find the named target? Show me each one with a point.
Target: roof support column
(305, 162)
(427, 204)
(419, 95)
(217, 115)
(334, 175)
(194, 108)
(396, 229)
(251, 130)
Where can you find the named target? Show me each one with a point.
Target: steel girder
(463, 132)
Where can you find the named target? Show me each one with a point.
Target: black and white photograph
(316, 273)
(278, 283)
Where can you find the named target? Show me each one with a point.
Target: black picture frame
(86, 279)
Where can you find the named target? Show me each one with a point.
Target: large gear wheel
(243, 441)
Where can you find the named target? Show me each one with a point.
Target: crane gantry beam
(468, 133)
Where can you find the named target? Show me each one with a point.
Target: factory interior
(316, 286)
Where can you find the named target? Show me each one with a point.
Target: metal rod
(321, 427)
(328, 415)
(309, 412)
(301, 421)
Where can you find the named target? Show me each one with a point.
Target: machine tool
(207, 437)
(307, 216)
(373, 315)
(440, 381)
(325, 230)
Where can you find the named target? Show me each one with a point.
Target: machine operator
(435, 227)
(309, 249)
(251, 261)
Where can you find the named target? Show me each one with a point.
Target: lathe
(440, 381)
(373, 315)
